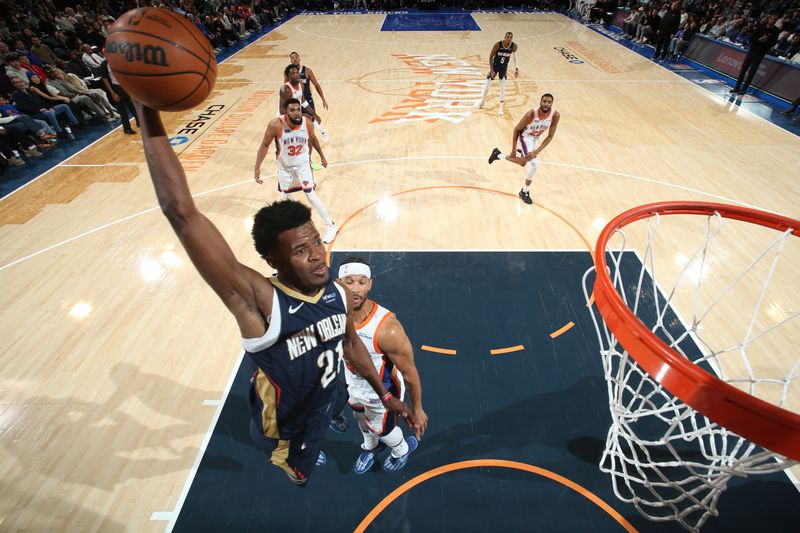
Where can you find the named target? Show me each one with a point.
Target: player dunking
(393, 357)
(530, 128)
(295, 327)
(293, 135)
(502, 52)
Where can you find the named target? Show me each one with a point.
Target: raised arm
(518, 129)
(234, 283)
(271, 134)
(393, 341)
(551, 132)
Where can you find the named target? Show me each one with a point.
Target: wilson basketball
(161, 59)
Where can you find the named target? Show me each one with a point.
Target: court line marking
(568, 326)
(202, 450)
(510, 349)
(387, 160)
(478, 463)
(444, 351)
(516, 15)
(162, 515)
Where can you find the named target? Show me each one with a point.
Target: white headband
(355, 269)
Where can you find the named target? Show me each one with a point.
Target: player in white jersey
(293, 88)
(393, 357)
(527, 132)
(293, 135)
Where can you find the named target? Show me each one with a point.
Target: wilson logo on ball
(147, 54)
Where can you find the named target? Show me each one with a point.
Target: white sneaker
(500, 111)
(330, 233)
(480, 106)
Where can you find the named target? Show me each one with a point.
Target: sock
(526, 188)
(394, 440)
(317, 203)
(370, 439)
(501, 155)
(533, 165)
(486, 89)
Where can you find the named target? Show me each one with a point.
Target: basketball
(161, 59)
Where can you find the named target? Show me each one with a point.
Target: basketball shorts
(364, 400)
(297, 456)
(500, 70)
(293, 179)
(527, 144)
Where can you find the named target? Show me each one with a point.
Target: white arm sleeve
(514, 59)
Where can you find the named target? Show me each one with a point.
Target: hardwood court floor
(115, 350)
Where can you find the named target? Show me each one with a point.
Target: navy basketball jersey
(503, 56)
(306, 84)
(297, 360)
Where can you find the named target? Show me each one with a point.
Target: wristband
(304, 104)
(385, 397)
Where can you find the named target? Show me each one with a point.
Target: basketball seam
(188, 95)
(176, 45)
(158, 74)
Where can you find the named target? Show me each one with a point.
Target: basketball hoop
(682, 395)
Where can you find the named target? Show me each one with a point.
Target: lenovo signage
(774, 76)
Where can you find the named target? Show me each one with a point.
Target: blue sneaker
(367, 458)
(322, 459)
(393, 464)
(339, 424)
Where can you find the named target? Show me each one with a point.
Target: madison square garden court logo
(205, 132)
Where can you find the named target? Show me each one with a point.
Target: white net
(666, 458)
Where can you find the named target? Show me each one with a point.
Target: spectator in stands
(43, 51)
(39, 128)
(99, 106)
(34, 106)
(37, 86)
(77, 85)
(682, 38)
(789, 48)
(762, 39)
(632, 22)
(30, 67)
(91, 59)
(13, 68)
(666, 29)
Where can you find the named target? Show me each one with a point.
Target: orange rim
(761, 422)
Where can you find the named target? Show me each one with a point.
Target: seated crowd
(54, 79)
(732, 21)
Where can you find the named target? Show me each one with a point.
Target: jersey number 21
(330, 363)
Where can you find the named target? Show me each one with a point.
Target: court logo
(192, 129)
(178, 140)
(593, 58)
(569, 55)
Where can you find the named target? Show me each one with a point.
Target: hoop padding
(763, 423)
